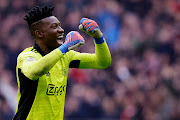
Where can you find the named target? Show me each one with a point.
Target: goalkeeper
(42, 70)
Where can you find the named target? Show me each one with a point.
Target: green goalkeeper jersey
(42, 79)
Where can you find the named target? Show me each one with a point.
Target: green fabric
(51, 71)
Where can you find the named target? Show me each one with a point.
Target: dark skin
(47, 33)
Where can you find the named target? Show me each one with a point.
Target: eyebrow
(55, 23)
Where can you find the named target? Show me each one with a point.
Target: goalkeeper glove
(72, 41)
(91, 28)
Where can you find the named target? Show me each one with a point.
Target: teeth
(60, 37)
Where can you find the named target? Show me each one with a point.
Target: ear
(38, 33)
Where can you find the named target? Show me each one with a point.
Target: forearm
(100, 60)
(102, 54)
(102, 57)
(33, 70)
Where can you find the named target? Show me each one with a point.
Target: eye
(54, 26)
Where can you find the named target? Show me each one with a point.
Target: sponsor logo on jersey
(55, 90)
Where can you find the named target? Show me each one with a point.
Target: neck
(43, 46)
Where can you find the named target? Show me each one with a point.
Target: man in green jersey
(42, 70)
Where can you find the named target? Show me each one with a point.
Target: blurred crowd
(143, 82)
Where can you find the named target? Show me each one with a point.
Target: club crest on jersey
(64, 72)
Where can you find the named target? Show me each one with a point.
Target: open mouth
(60, 39)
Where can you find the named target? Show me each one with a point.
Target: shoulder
(29, 52)
(70, 54)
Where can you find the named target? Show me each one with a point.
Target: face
(52, 33)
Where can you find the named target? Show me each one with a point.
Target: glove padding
(72, 41)
(90, 27)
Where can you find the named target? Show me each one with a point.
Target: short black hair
(37, 14)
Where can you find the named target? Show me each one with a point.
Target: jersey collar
(38, 49)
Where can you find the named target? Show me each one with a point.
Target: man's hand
(72, 41)
(90, 27)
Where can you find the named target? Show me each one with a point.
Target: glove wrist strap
(63, 49)
(99, 40)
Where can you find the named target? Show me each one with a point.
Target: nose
(60, 29)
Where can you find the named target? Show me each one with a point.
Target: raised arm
(33, 66)
(102, 57)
